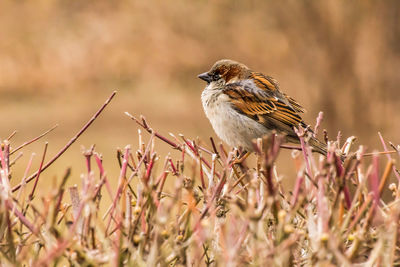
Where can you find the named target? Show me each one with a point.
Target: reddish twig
(297, 188)
(33, 140)
(374, 179)
(145, 126)
(81, 131)
(174, 172)
(213, 146)
(38, 172)
(121, 183)
(88, 155)
(21, 216)
(11, 135)
(341, 174)
(214, 196)
(3, 155)
(203, 184)
(300, 132)
(388, 156)
(23, 182)
(148, 129)
(99, 164)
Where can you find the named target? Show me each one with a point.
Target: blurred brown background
(59, 61)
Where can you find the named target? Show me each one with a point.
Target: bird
(243, 105)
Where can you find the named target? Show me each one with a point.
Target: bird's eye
(215, 77)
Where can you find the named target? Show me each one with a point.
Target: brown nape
(236, 71)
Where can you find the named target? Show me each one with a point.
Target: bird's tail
(321, 148)
(318, 146)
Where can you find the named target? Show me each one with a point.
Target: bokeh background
(59, 61)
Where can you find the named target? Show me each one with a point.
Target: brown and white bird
(243, 105)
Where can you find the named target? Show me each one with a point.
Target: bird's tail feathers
(318, 146)
(321, 148)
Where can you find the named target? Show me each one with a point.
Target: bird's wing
(264, 82)
(295, 105)
(269, 84)
(262, 106)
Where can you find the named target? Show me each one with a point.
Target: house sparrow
(243, 105)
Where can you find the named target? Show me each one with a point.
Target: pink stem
(33, 140)
(297, 188)
(38, 172)
(84, 128)
(20, 216)
(99, 164)
(389, 156)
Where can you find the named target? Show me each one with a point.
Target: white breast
(231, 126)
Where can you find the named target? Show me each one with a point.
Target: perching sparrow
(243, 105)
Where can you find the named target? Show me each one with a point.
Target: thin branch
(81, 131)
(31, 195)
(11, 135)
(33, 140)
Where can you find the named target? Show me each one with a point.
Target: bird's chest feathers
(216, 105)
(231, 126)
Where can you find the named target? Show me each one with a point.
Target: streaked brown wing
(264, 82)
(295, 105)
(269, 84)
(261, 107)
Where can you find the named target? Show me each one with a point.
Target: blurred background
(60, 60)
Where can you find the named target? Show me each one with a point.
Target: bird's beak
(205, 77)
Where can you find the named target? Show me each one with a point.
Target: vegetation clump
(204, 206)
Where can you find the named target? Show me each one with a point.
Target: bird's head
(226, 71)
